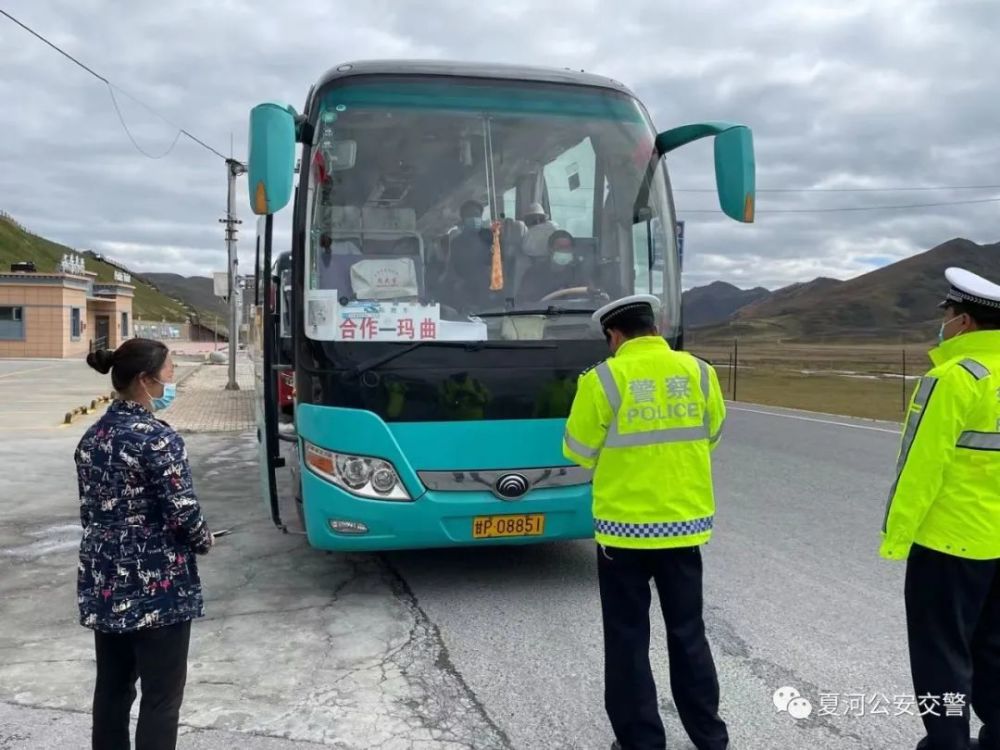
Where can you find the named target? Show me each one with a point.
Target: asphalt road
(796, 596)
(488, 648)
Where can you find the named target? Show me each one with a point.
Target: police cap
(971, 289)
(626, 306)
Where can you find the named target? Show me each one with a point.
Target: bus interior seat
(386, 278)
(341, 219)
(338, 274)
(341, 276)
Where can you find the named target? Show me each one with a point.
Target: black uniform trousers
(158, 658)
(953, 627)
(629, 689)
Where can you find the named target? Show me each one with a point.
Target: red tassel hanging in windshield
(496, 270)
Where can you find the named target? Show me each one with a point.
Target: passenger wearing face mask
(943, 518)
(467, 281)
(540, 229)
(560, 271)
(138, 586)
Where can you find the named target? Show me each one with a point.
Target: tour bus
(453, 228)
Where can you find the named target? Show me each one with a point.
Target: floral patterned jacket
(142, 525)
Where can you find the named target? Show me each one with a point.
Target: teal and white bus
(453, 228)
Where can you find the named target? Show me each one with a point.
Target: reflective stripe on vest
(921, 399)
(975, 369)
(654, 530)
(705, 386)
(579, 448)
(980, 441)
(650, 437)
(610, 387)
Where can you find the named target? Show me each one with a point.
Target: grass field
(860, 381)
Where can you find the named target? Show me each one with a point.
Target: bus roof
(466, 70)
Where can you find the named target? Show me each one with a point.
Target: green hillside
(897, 302)
(18, 244)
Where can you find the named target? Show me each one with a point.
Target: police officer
(943, 518)
(646, 420)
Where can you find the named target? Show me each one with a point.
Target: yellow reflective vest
(947, 490)
(646, 421)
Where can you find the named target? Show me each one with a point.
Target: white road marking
(25, 372)
(815, 419)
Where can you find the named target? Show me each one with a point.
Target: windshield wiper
(470, 346)
(550, 310)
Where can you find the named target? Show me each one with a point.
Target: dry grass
(859, 381)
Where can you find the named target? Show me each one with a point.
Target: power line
(841, 209)
(940, 188)
(835, 209)
(128, 132)
(112, 87)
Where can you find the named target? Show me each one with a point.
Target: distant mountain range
(717, 302)
(196, 291)
(895, 302)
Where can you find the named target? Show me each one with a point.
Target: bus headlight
(363, 476)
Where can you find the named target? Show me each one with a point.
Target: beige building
(61, 314)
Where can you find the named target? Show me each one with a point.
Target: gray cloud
(876, 93)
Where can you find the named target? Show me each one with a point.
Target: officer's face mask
(473, 223)
(942, 332)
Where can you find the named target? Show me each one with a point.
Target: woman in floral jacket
(138, 585)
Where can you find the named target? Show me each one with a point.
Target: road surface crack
(447, 695)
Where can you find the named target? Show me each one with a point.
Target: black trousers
(158, 658)
(953, 625)
(629, 689)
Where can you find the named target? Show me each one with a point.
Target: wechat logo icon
(788, 699)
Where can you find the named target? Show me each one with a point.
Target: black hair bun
(101, 360)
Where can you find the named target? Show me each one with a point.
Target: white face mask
(944, 325)
(562, 258)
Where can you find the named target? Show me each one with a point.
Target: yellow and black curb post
(80, 410)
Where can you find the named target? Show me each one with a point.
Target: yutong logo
(510, 486)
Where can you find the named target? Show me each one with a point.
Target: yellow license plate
(492, 527)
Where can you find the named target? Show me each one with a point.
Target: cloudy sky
(858, 94)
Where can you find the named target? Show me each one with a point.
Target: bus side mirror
(734, 162)
(271, 161)
(735, 173)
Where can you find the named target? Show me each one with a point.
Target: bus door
(279, 496)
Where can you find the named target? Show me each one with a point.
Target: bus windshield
(463, 210)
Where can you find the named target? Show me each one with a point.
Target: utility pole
(233, 170)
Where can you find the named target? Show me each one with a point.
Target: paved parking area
(298, 648)
(204, 405)
(37, 393)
